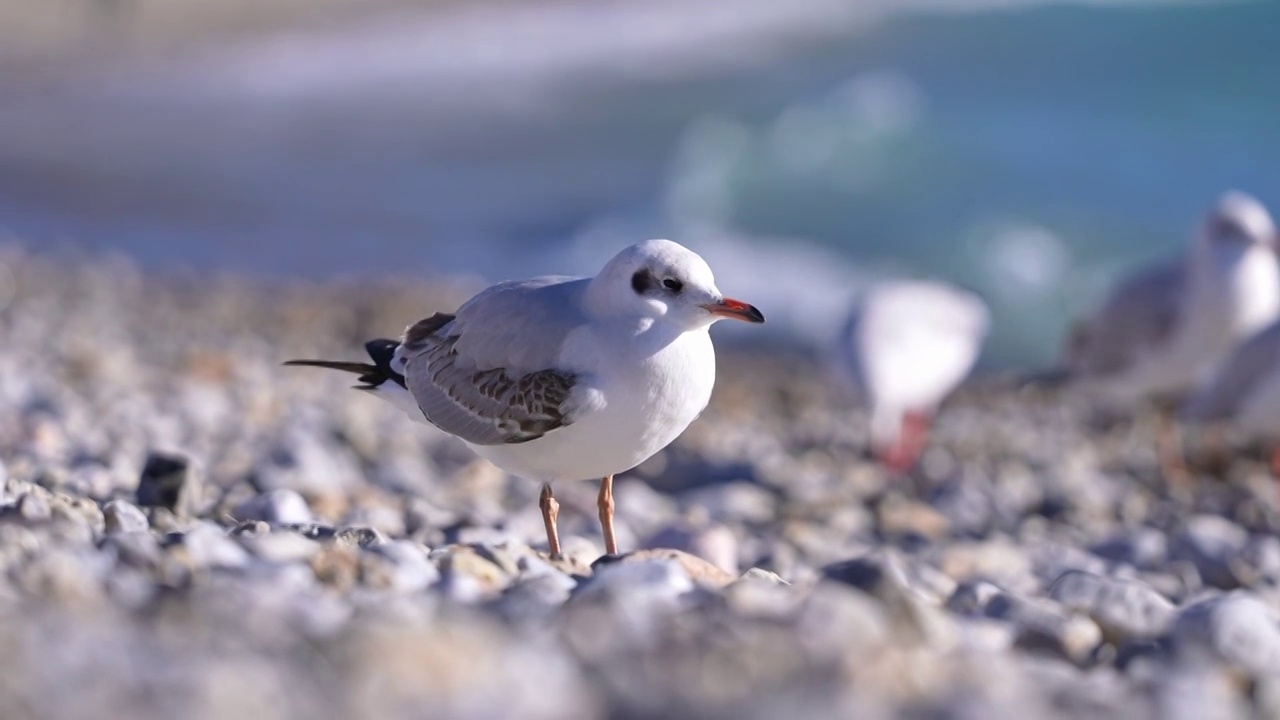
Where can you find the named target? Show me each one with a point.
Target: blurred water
(1029, 152)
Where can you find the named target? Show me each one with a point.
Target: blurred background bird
(907, 344)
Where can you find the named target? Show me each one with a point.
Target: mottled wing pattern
(1238, 378)
(491, 406)
(1138, 319)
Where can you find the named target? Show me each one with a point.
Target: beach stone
(1237, 627)
(914, 614)
(1199, 691)
(120, 516)
(972, 597)
(400, 566)
(34, 508)
(696, 569)
(760, 575)
(1042, 625)
(535, 597)
(642, 581)
(1262, 557)
(361, 537)
(80, 512)
(139, 548)
(965, 503)
(468, 576)
(1143, 548)
(277, 507)
(207, 546)
(732, 502)
(1124, 609)
(714, 543)
(279, 547)
(169, 481)
(1212, 544)
(839, 619)
(897, 515)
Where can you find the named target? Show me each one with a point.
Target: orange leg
(550, 511)
(900, 457)
(605, 504)
(1170, 455)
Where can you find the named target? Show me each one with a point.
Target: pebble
(695, 568)
(276, 507)
(1041, 625)
(467, 576)
(1236, 627)
(279, 547)
(714, 543)
(120, 516)
(1125, 610)
(399, 565)
(1212, 544)
(169, 481)
(208, 546)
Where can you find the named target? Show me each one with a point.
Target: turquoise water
(1030, 154)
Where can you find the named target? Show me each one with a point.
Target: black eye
(673, 285)
(641, 282)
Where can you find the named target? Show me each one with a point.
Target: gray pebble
(280, 547)
(1236, 627)
(1042, 625)
(405, 567)
(363, 537)
(1125, 609)
(714, 543)
(653, 580)
(277, 507)
(33, 507)
(209, 547)
(1212, 544)
(119, 516)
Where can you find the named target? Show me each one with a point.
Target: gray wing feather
(489, 374)
(1238, 377)
(1141, 315)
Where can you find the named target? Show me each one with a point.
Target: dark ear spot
(641, 282)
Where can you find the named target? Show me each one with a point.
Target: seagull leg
(550, 511)
(1219, 449)
(1169, 454)
(901, 456)
(605, 503)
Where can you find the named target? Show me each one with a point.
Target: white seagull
(1165, 328)
(906, 346)
(556, 379)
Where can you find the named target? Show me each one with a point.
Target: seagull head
(1239, 221)
(664, 280)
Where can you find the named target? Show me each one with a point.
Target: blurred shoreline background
(1030, 151)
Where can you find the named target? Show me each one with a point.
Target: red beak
(736, 309)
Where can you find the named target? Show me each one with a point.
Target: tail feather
(373, 375)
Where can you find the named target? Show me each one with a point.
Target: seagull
(1246, 392)
(556, 379)
(906, 346)
(1166, 327)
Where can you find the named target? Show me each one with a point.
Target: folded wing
(490, 374)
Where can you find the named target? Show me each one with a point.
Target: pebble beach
(188, 529)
